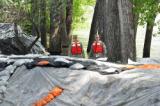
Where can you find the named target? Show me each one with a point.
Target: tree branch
(37, 33)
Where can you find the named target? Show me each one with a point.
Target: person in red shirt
(98, 49)
(76, 48)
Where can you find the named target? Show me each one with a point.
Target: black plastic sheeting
(83, 87)
(9, 44)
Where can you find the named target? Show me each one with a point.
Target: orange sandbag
(130, 66)
(44, 62)
(145, 66)
(149, 66)
(56, 91)
(51, 96)
(40, 103)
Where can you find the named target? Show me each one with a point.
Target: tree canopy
(146, 10)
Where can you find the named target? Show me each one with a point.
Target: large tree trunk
(55, 40)
(128, 41)
(63, 31)
(94, 26)
(59, 39)
(148, 38)
(114, 20)
(135, 17)
(101, 19)
(43, 22)
(112, 31)
(69, 11)
(35, 15)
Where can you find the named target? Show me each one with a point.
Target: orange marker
(51, 96)
(41, 63)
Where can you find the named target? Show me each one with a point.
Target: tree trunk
(135, 17)
(55, 40)
(148, 38)
(114, 20)
(43, 23)
(63, 31)
(69, 11)
(101, 15)
(128, 41)
(112, 31)
(35, 14)
(94, 26)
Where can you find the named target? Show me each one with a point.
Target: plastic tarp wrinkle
(82, 87)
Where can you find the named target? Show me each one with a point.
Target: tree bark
(55, 40)
(63, 31)
(43, 23)
(69, 11)
(112, 31)
(114, 20)
(101, 9)
(35, 14)
(135, 18)
(148, 38)
(94, 26)
(128, 41)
